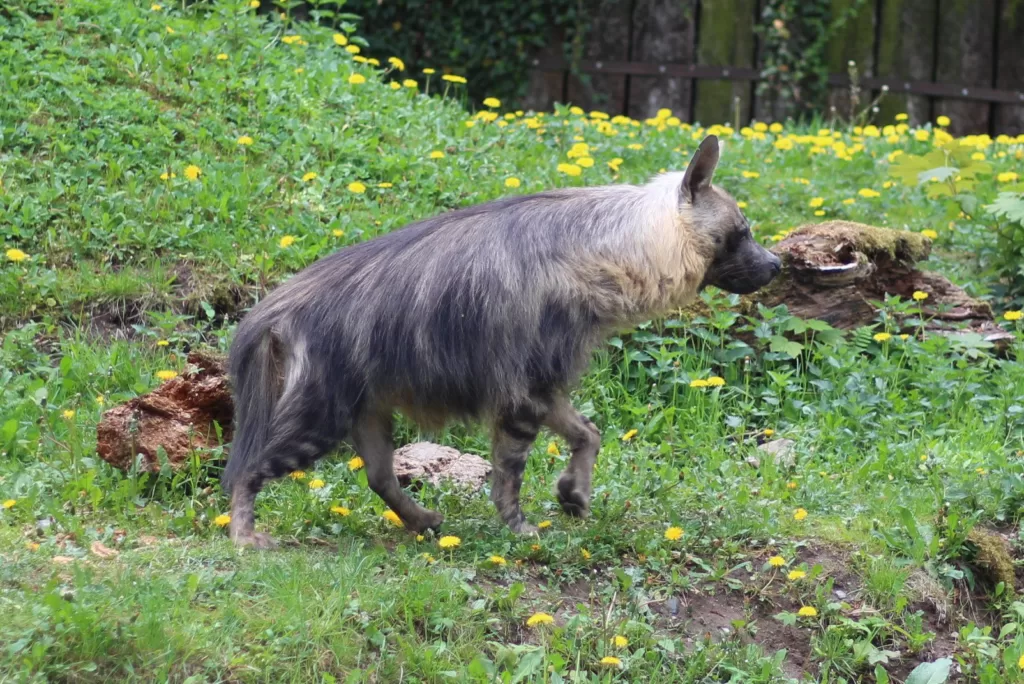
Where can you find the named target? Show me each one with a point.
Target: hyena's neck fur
(651, 260)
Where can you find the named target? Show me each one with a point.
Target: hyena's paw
(573, 500)
(257, 540)
(425, 520)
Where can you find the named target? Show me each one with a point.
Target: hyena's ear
(701, 169)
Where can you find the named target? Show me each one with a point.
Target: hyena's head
(736, 262)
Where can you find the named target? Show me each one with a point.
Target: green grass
(902, 447)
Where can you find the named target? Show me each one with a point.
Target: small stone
(782, 450)
(673, 605)
(840, 594)
(433, 463)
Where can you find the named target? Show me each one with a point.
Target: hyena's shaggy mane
(471, 311)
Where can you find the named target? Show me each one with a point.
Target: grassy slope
(101, 98)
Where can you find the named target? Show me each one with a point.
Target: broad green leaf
(940, 173)
(782, 345)
(931, 673)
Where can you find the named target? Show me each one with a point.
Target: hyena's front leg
(514, 434)
(573, 487)
(372, 437)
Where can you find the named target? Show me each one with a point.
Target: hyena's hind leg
(301, 433)
(372, 438)
(514, 433)
(574, 485)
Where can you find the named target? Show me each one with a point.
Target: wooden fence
(701, 59)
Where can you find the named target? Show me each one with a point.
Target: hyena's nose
(776, 265)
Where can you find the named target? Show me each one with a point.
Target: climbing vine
(795, 36)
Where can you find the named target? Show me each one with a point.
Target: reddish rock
(177, 417)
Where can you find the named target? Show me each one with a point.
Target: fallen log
(831, 272)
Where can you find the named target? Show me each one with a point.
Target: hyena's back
(465, 314)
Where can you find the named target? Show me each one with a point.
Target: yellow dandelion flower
(340, 39)
(543, 524)
(1020, 662)
(297, 474)
(452, 78)
(849, 200)
(409, 83)
(819, 212)
(100, 399)
(16, 255)
(796, 574)
(775, 128)
(427, 557)
(808, 611)
(1007, 177)
(352, 49)
(448, 542)
(768, 432)
(316, 483)
(428, 71)
(497, 560)
(674, 533)
(921, 135)
(9, 503)
(245, 140)
(254, 3)
(286, 241)
(868, 192)
(585, 162)
(492, 102)
(882, 337)
(420, 537)
(338, 233)
(553, 449)
(222, 520)
(512, 182)
(611, 661)
(942, 121)
(619, 641)
(699, 382)
(355, 463)
(776, 561)
(397, 63)
(192, 172)
(585, 554)
(436, 154)
(570, 169)
(222, 57)
(341, 510)
(902, 116)
(791, 485)
(170, 30)
(155, 7)
(920, 296)
(385, 185)
(166, 374)
(356, 79)
(629, 435)
(715, 381)
(538, 619)
(393, 518)
(930, 234)
(799, 514)
(816, 202)
(68, 414)
(750, 174)
(356, 187)
(32, 546)
(1013, 315)
(291, 40)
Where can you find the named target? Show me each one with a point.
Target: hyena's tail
(255, 369)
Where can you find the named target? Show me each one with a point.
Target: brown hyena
(485, 313)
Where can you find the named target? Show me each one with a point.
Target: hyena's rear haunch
(489, 312)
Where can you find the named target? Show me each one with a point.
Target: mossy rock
(872, 241)
(993, 557)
